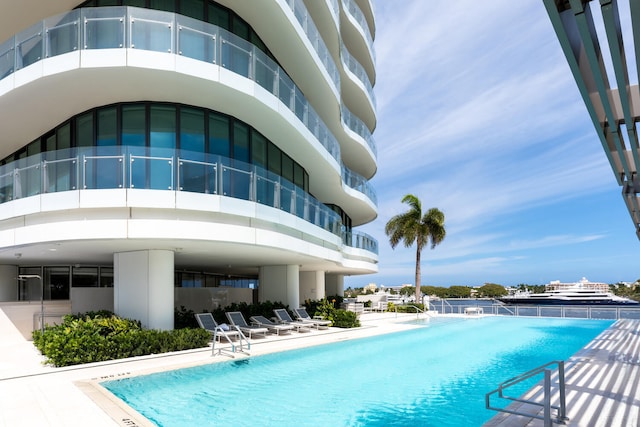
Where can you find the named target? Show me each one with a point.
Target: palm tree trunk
(418, 293)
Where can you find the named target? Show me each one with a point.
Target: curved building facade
(157, 154)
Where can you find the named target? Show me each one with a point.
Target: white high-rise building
(165, 153)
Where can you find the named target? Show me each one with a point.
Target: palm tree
(412, 226)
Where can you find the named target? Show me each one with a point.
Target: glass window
(298, 175)
(106, 277)
(163, 126)
(287, 168)
(63, 136)
(219, 135)
(84, 277)
(258, 149)
(134, 129)
(84, 130)
(30, 288)
(240, 28)
(136, 3)
(107, 127)
(166, 5)
(241, 142)
(275, 164)
(219, 16)
(56, 283)
(193, 9)
(192, 130)
(34, 147)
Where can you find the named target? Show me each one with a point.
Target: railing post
(547, 398)
(562, 416)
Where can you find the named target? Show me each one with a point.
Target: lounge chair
(303, 316)
(283, 316)
(208, 323)
(273, 327)
(237, 319)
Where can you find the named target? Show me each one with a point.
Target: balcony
(122, 167)
(92, 29)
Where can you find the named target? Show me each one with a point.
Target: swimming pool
(436, 375)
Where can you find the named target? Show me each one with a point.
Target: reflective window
(219, 135)
(63, 136)
(193, 9)
(56, 283)
(275, 163)
(106, 277)
(192, 129)
(258, 149)
(84, 130)
(287, 167)
(107, 127)
(134, 127)
(85, 277)
(163, 126)
(241, 142)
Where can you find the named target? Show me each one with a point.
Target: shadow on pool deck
(602, 381)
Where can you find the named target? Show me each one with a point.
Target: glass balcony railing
(152, 30)
(304, 19)
(354, 123)
(358, 70)
(91, 168)
(354, 10)
(360, 240)
(359, 183)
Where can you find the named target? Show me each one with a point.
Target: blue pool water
(437, 375)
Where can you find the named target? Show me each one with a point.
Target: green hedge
(339, 317)
(100, 336)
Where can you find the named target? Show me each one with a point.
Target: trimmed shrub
(103, 336)
(339, 317)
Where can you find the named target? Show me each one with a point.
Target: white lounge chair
(208, 323)
(237, 319)
(283, 316)
(273, 327)
(302, 315)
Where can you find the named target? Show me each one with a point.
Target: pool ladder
(546, 404)
(239, 348)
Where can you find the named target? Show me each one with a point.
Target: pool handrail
(546, 405)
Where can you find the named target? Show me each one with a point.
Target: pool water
(436, 375)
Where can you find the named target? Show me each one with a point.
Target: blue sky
(479, 116)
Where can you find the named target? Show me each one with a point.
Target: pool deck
(602, 379)
(602, 383)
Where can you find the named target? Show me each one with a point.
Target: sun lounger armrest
(318, 317)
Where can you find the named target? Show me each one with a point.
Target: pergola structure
(612, 101)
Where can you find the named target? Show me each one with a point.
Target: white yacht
(582, 292)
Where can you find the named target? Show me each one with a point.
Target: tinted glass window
(134, 125)
(192, 129)
(107, 127)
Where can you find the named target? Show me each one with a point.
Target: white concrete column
(280, 283)
(143, 287)
(8, 283)
(312, 285)
(335, 284)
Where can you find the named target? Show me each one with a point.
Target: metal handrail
(241, 337)
(546, 405)
(418, 311)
